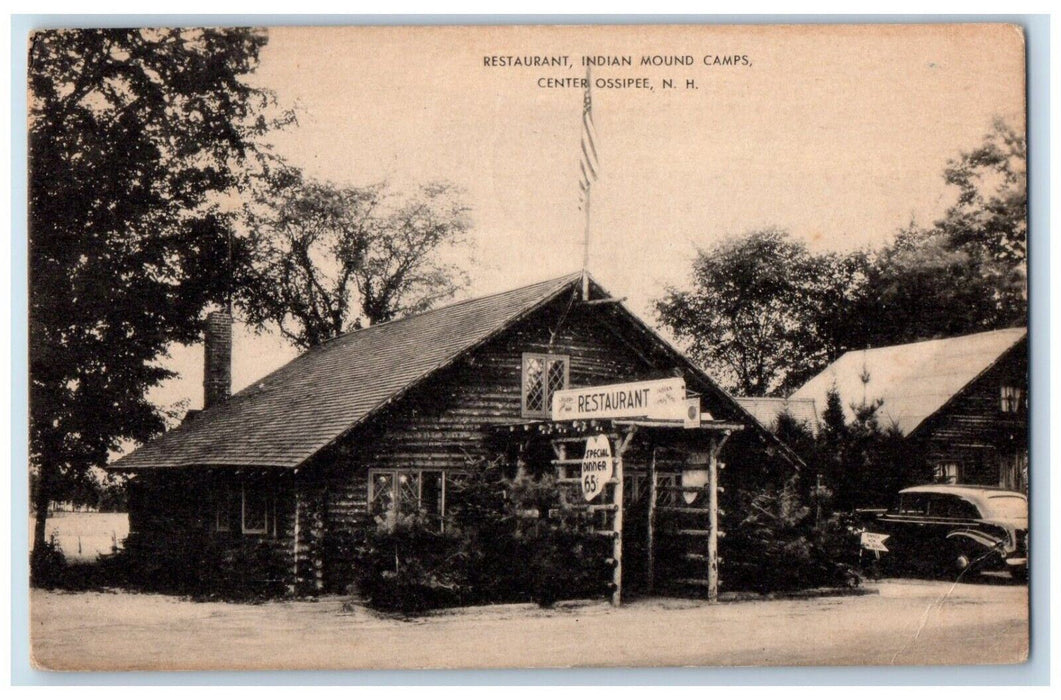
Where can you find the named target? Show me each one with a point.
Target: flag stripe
(589, 163)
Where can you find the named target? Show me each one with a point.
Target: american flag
(589, 164)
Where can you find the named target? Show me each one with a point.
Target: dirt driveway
(905, 622)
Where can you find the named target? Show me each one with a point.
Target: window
(226, 507)
(947, 473)
(543, 375)
(943, 506)
(1011, 397)
(394, 492)
(912, 504)
(248, 507)
(665, 494)
(635, 486)
(257, 513)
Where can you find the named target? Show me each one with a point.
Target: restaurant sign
(658, 399)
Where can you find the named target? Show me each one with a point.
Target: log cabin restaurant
(557, 377)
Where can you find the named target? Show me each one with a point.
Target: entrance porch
(658, 502)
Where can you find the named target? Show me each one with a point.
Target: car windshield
(1007, 507)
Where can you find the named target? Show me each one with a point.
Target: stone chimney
(217, 351)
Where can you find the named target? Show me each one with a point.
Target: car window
(1007, 507)
(945, 506)
(912, 504)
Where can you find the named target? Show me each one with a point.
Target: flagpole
(585, 252)
(589, 187)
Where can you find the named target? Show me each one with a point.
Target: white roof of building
(913, 380)
(766, 410)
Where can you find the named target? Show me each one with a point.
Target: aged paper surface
(837, 135)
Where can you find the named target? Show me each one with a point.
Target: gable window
(543, 375)
(1011, 399)
(395, 492)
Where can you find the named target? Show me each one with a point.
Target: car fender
(985, 541)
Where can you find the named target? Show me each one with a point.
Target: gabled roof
(320, 396)
(914, 380)
(766, 410)
(291, 414)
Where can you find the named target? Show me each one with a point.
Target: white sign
(874, 541)
(693, 478)
(692, 412)
(597, 466)
(660, 399)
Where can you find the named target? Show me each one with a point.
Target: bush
(47, 565)
(505, 540)
(563, 557)
(245, 571)
(202, 566)
(410, 567)
(776, 546)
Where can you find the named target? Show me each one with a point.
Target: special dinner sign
(597, 466)
(659, 399)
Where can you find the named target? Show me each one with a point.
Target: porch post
(621, 443)
(712, 516)
(294, 541)
(617, 526)
(650, 544)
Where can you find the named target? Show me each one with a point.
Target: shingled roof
(291, 414)
(766, 410)
(913, 380)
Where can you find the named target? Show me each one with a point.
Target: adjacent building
(962, 402)
(767, 410)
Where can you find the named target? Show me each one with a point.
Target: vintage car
(950, 529)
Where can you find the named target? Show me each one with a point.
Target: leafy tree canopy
(763, 314)
(326, 258)
(967, 272)
(759, 309)
(135, 138)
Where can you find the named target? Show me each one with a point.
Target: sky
(837, 134)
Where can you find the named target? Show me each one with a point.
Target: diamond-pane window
(557, 377)
(408, 492)
(533, 386)
(543, 375)
(381, 496)
(403, 492)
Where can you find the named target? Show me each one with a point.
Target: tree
(967, 272)
(329, 258)
(135, 136)
(990, 218)
(763, 313)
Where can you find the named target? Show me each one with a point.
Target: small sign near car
(597, 466)
(874, 541)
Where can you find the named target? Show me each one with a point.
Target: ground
(899, 622)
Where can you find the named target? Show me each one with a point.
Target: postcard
(424, 347)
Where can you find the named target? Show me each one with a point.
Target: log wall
(973, 431)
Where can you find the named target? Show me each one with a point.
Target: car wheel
(963, 558)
